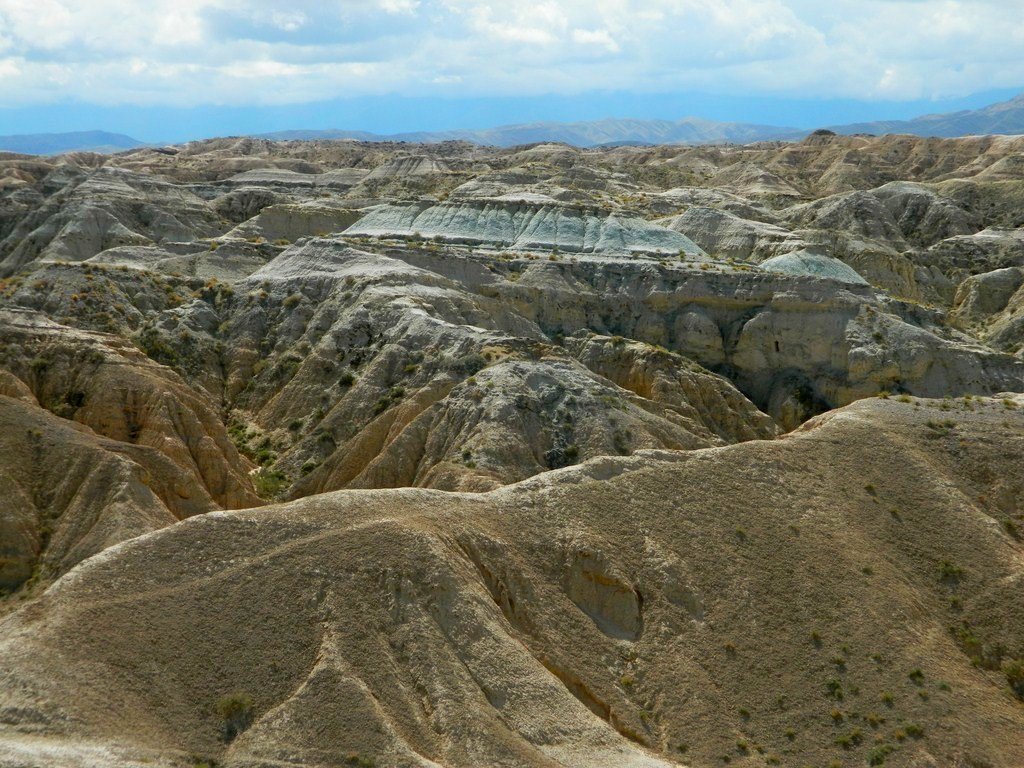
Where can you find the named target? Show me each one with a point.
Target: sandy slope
(794, 597)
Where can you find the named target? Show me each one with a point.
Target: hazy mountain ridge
(689, 130)
(1004, 118)
(75, 141)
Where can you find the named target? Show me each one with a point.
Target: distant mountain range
(690, 130)
(1004, 118)
(59, 143)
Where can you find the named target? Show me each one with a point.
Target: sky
(179, 69)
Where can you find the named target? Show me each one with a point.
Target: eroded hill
(791, 602)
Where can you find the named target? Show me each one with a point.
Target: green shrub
(468, 364)
(360, 760)
(949, 573)
(156, 348)
(269, 483)
(1014, 671)
(878, 753)
(265, 457)
(850, 740)
(913, 730)
(236, 712)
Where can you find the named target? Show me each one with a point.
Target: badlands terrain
(330, 453)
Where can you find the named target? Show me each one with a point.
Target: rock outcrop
(520, 224)
(992, 304)
(290, 222)
(727, 236)
(418, 375)
(111, 387)
(91, 211)
(69, 493)
(810, 264)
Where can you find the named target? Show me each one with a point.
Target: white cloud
(47, 22)
(9, 68)
(598, 37)
(399, 6)
(185, 52)
(289, 21)
(263, 70)
(515, 23)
